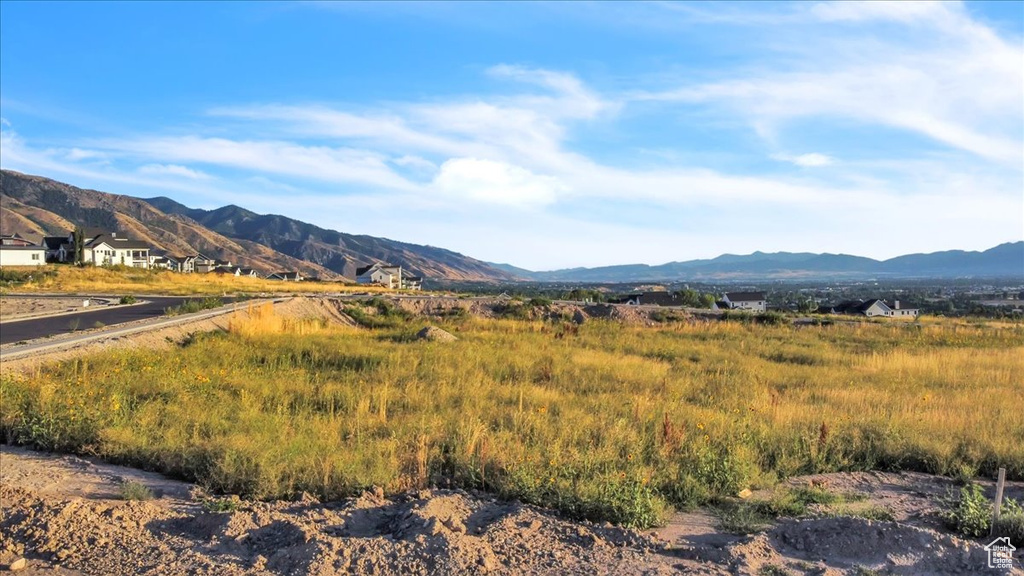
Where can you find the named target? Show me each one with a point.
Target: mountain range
(1005, 260)
(34, 206)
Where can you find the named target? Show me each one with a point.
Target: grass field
(118, 280)
(605, 421)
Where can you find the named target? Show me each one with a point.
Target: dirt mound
(59, 513)
(898, 548)
(329, 309)
(435, 334)
(63, 514)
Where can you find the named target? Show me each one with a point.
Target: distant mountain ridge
(1005, 260)
(336, 251)
(34, 206)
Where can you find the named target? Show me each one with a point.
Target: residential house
(228, 270)
(874, 308)
(203, 264)
(186, 264)
(53, 246)
(659, 298)
(251, 273)
(104, 249)
(161, 259)
(380, 274)
(15, 240)
(749, 301)
(390, 276)
(287, 276)
(17, 251)
(411, 282)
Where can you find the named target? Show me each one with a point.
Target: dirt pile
(435, 334)
(62, 512)
(65, 516)
(302, 307)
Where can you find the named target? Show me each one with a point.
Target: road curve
(21, 330)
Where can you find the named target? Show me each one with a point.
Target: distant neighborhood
(98, 247)
(758, 302)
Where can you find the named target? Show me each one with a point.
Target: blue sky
(543, 135)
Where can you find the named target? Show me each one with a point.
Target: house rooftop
(745, 296)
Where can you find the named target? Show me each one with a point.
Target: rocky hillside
(34, 206)
(337, 251)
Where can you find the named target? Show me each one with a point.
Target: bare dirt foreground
(65, 515)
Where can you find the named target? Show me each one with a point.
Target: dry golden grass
(99, 280)
(614, 422)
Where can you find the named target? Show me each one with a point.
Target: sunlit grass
(615, 422)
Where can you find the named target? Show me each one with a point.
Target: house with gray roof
(749, 301)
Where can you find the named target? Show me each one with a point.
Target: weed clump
(132, 490)
(970, 514)
(193, 305)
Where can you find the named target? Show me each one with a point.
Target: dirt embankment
(65, 515)
(298, 307)
(63, 512)
(579, 313)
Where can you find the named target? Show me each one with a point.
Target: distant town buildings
(655, 298)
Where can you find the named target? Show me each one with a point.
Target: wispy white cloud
(332, 164)
(172, 170)
(495, 182)
(955, 81)
(77, 154)
(809, 160)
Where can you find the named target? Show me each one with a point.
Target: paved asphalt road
(109, 316)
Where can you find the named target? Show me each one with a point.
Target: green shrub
(194, 305)
(128, 299)
(1011, 522)
(742, 519)
(971, 514)
(220, 505)
(513, 310)
(132, 490)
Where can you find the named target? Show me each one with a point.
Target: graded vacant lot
(600, 420)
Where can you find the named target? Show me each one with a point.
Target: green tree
(806, 305)
(79, 236)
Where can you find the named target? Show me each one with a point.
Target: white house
(875, 308)
(898, 312)
(110, 250)
(389, 276)
(410, 282)
(101, 249)
(752, 301)
(380, 275)
(17, 254)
